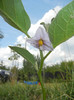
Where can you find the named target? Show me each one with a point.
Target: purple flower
(41, 40)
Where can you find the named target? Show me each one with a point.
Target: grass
(21, 91)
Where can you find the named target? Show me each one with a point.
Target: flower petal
(43, 35)
(48, 44)
(33, 42)
(44, 47)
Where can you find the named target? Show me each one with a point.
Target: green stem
(47, 55)
(27, 35)
(40, 76)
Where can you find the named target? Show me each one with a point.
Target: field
(21, 91)
(57, 87)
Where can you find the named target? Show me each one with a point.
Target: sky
(38, 11)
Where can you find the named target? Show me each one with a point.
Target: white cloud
(49, 15)
(4, 54)
(46, 18)
(63, 52)
(20, 39)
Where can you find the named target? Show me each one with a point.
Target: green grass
(20, 91)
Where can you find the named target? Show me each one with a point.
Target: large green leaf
(14, 14)
(62, 27)
(24, 53)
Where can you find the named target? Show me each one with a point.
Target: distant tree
(29, 69)
(2, 66)
(14, 71)
(14, 57)
(1, 35)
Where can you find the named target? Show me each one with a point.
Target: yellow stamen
(40, 42)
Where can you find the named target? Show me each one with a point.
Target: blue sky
(35, 9)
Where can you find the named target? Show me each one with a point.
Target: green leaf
(24, 53)
(62, 27)
(14, 14)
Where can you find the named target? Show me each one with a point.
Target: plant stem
(40, 76)
(47, 54)
(28, 36)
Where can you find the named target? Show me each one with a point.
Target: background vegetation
(57, 80)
